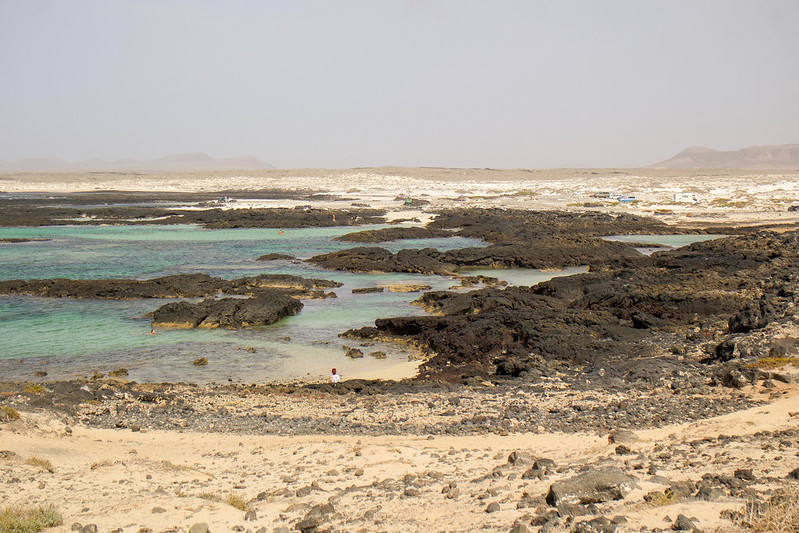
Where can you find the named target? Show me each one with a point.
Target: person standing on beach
(334, 377)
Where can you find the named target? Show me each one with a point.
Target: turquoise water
(672, 241)
(663, 241)
(522, 276)
(73, 338)
(91, 252)
(69, 338)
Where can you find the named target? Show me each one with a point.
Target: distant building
(685, 198)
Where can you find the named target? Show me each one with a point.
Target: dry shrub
(8, 413)
(780, 514)
(767, 363)
(30, 520)
(44, 464)
(234, 500)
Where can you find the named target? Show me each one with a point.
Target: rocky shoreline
(629, 398)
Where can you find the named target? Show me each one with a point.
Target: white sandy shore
(724, 196)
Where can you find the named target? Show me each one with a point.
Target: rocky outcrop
(374, 259)
(177, 286)
(393, 234)
(266, 308)
(54, 211)
(275, 257)
(621, 311)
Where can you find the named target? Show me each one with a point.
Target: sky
(451, 83)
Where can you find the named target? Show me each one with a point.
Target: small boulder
(622, 436)
(593, 486)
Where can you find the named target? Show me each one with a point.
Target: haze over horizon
(513, 84)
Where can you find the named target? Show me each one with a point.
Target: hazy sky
(498, 83)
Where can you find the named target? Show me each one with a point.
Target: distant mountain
(191, 162)
(754, 157)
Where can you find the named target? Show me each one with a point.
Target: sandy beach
(135, 478)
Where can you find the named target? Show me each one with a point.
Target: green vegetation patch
(29, 520)
(8, 413)
(766, 363)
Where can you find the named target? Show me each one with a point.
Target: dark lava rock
(597, 525)
(275, 257)
(520, 458)
(393, 234)
(176, 286)
(374, 259)
(366, 290)
(683, 523)
(266, 308)
(756, 315)
(314, 518)
(593, 486)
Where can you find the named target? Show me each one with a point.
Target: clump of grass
(780, 514)
(29, 520)
(524, 192)
(34, 389)
(44, 464)
(210, 496)
(767, 363)
(202, 361)
(169, 465)
(234, 500)
(667, 497)
(100, 464)
(727, 202)
(8, 413)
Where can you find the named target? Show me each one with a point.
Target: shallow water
(71, 338)
(68, 338)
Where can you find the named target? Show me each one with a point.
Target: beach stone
(314, 518)
(593, 486)
(744, 474)
(622, 436)
(354, 353)
(533, 473)
(623, 449)
(517, 458)
(251, 515)
(200, 527)
(492, 507)
(89, 528)
(596, 525)
(543, 463)
(708, 492)
(683, 523)
(158, 510)
(77, 526)
(793, 474)
(519, 527)
(682, 489)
